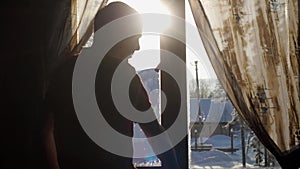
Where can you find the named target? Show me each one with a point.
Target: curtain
(252, 46)
(82, 26)
(70, 29)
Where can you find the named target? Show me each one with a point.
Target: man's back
(74, 147)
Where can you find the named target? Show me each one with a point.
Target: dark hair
(113, 11)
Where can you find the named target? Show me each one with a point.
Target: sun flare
(151, 6)
(148, 41)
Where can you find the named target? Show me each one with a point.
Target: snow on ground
(218, 159)
(221, 141)
(215, 159)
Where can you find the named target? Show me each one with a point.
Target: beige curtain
(252, 46)
(71, 29)
(83, 13)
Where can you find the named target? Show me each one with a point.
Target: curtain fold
(83, 26)
(252, 46)
(72, 28)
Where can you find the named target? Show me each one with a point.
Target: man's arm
(140, 100)
(169, 158)
(49, 143)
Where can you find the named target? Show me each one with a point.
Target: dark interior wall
(31, 40)
(170, 86)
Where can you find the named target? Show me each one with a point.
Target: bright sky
(142, 60)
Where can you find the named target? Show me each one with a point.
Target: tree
(193, 88)
(204, 89)
(218, 93)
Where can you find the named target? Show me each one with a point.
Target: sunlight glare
(151, 6)
(148, 41)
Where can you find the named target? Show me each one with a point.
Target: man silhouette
(67, 144)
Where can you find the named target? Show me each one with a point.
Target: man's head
(114, 11)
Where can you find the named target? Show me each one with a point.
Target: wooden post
(243, 144)
(196, 146)
(266, 157)
(198, 101)
(198, 91)
(231, 139)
